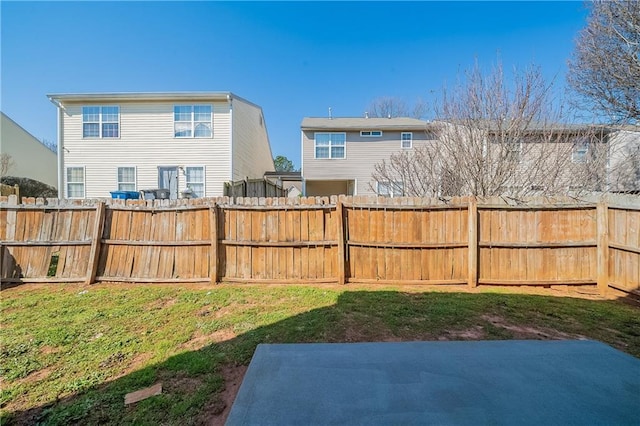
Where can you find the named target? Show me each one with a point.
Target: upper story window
(100, 122)
(513, 149)
(330, 145)
(192, 121)
(371, 133)
(580, 151)
(407, 139)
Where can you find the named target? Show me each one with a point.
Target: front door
(168, 179)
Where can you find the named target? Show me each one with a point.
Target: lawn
(71, 353)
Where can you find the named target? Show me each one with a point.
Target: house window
(75, 182)
(330, 145)
(390, 189)
(195, 180)
(514, 150)
(407, 139)
(580, 150)
(126, 178)
(100, 122)
(371, 133)
(192, 121)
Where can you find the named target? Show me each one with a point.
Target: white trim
(84, 182)
(315, 157)
(363, 133)
(61, 169)
(135, 176)
(231, 141)
(302, 158)
(410, 140)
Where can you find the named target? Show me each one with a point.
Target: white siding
(146, 141)
(624, 161)
(251, 150)
(362, 153)
(31, 159)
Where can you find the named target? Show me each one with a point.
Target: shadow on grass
(11, 273)
(193, 384)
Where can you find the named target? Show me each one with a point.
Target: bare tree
(605, 68)
(499, 136)
(387, 107)
(6, 163)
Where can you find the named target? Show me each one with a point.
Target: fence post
(341, 254)
(94, 254)
(602, 230)
(213, 254)
(473, 242)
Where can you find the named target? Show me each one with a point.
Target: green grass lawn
(70, 353)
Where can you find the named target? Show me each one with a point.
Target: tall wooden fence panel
(624, 248)
(537, 245)
(155, 244)
(46, 243)
(253, 188)
(397, 242)
(281, 243)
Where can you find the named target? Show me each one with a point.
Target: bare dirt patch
(161, 304)
(524, 332)
(181, 384)
(36, 376)
(232, 309)
(217, 410)
(199, 341)
(47, 350)
(473, 333)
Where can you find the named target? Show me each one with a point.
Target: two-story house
(338, 154)
(179, 141)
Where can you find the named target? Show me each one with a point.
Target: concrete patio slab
(461, 383)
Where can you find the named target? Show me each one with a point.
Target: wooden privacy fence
(348, 239)
(253, 188)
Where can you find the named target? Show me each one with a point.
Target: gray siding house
(338, 154)
(29, 158)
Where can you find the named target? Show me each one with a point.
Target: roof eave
(139, 96)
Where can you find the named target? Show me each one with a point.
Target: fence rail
(461, 241)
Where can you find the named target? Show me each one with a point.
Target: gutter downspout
(60, 148)
(304, 181)
(230, 139)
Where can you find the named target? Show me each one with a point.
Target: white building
(29, 158)
(177, 141)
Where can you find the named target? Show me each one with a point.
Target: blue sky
(294, 59)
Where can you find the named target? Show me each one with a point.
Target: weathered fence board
(529, 245)
(404, 243)
(624, 249)
(350, 239)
